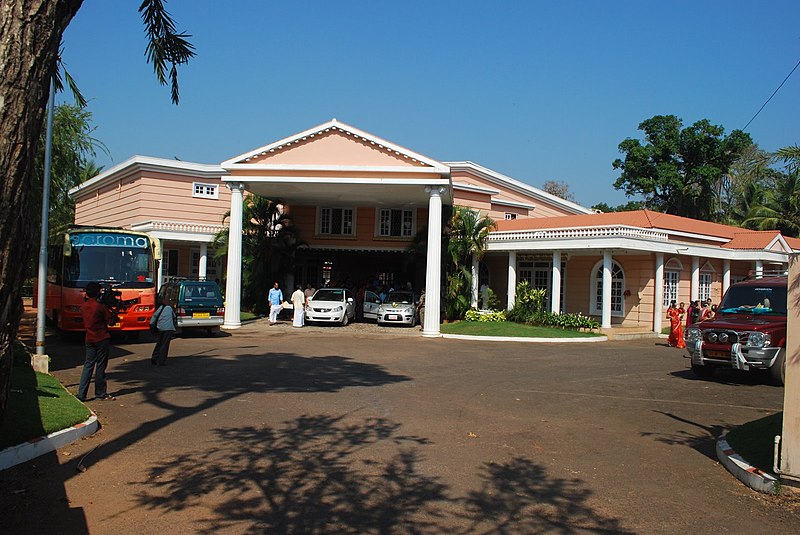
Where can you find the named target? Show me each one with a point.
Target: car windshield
(405, 298)
(201, 293)
(328, 295)
(751, 299)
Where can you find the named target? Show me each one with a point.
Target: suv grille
(723, 336)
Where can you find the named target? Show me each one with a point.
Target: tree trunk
(30, 33)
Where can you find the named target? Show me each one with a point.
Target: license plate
(718, 354)
(201, 315)
(393, 317)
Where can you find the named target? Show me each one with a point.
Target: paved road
(274, 430)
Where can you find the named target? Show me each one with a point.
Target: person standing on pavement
(275, 298)
(96, 319)
(309, 292)
(299, 303)
(165, 321)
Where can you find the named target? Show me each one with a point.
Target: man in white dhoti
(298, 301)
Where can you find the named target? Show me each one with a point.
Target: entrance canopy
(335, 163)
(341, 168)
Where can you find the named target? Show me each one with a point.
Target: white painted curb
(587, 339)
(39, 446)
(744, 471)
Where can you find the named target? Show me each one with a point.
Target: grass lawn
(38, 405)
(509, 328)
(755, 441)
(244, 315)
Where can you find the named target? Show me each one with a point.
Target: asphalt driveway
(274, 430)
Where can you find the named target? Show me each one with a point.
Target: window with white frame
(395, 223)
(205, 191)
(705, 285)
(672, 278)
(510, 216)
(617, 289)
(336, 221)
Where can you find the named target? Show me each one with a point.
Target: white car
(331, 305)
(372, 303)
(399, 307)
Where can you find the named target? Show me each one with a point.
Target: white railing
(616, 231)
(175, 226)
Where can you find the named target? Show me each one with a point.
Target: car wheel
(777, 372)
(345, 320)
(703, 372)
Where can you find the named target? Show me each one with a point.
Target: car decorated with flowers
(399, 307)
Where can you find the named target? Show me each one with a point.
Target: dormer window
(205, 191)
(510, 216)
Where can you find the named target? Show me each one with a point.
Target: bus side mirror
(67, 246)
(156, 248)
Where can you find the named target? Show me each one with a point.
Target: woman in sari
(675, 326)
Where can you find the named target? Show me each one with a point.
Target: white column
(473, 300)
(233, 287)
(605, 321)
(658, 294)
(160, 273)
(726, 275)
(512, 279)
(759, 269)
(695, 289)
(433, 275)
(555, 287)
(203, 267)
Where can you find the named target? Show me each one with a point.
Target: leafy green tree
(679, 170)
(73, 150)
(31, 32)
(467, 239)
(625, 207)
(269, 244)
(779, 207)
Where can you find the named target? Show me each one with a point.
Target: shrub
(495, 315)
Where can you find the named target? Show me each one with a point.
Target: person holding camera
(96, 319)
(163, 323)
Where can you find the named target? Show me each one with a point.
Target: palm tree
(467, 240)
(269, 244)
(779, 208)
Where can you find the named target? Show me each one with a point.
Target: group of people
(679, 316)
(97, 317)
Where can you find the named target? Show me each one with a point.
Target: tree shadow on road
(702, 439)
(322, 474)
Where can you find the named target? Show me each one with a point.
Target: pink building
(358, 202)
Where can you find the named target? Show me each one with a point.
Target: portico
(348, 190)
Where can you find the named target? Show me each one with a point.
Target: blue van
(198, 304)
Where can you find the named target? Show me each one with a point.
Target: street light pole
(41, 302)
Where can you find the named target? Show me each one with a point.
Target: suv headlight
(758, 339)
(692, 335)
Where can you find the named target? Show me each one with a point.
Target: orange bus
(122, 261)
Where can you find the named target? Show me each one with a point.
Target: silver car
(399, 307)
(331, 305)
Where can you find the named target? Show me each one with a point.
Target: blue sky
(536, 90)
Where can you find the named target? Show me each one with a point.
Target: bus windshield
(124, 260)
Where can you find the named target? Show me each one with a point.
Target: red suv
(748, 332)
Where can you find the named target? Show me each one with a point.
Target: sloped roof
(758, 240)
(634, 218)
(335, 125)
(737, 238)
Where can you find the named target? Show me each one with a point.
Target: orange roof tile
(753, 239)
(634, 218)
(794, 243)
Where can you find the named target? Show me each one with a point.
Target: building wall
(146, 196)
(305, 219)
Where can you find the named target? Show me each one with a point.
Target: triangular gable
(334, 144)
(767, 240)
